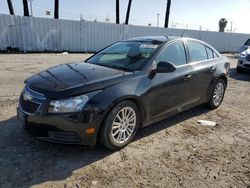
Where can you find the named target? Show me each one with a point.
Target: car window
(210, 53)
(216, 55)
(126, 55)
(174, 53)
(197, 51)
(247, 42)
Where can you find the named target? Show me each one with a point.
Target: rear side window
(173, 53)
(210, 53)
(197, 51)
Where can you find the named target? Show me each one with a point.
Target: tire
(217, 94)
(240, 70)
(116, 134)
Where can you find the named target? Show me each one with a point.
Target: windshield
(127, 55)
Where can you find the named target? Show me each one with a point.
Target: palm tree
(25, 8)
(222, 24)
(117, 12)
(56, 9)
(167, 13)
(128, 12)
(10, 7)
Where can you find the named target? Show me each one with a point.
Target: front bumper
(69, 128)
(60, 128)
(243, 63)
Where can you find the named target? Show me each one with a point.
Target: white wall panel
(43, 34)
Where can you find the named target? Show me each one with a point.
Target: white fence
(43, 34)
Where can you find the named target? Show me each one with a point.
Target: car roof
(160, 39)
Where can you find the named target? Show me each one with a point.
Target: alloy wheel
(123, 125)
(218, 94)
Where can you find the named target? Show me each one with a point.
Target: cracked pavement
(176, 152)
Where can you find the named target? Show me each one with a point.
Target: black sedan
(129, 84)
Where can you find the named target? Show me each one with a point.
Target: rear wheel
(240, 70)
(120, 125)
(217, 95)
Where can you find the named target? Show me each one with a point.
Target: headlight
(69, 105)
(243, 54)
(74, 104)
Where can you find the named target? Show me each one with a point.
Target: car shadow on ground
(25, 161)
(239, 76)
(171, 121)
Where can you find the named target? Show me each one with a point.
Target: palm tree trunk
(56, 9)
(25, 8)
(167, 13)
(128, 12)
(117, 12)
(10, 7)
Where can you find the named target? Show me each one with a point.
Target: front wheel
(120, 125)
(217, 95)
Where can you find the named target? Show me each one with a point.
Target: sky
(191, 14)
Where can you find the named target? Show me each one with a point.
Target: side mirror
(164, 67)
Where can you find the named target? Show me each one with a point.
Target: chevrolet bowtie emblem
(27, 96)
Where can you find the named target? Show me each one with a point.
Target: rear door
(203, 61)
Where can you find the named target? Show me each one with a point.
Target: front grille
(248, 57)
(27, 105)
(247, 65)
(31, 100)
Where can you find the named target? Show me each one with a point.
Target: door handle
(212, 69)
(187, 77)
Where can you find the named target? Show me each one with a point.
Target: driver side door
(170, 92)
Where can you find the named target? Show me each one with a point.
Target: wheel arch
(132, 98)
(221, 76)
(224, 78)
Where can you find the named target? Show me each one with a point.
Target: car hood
(73, 79)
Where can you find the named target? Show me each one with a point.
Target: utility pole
(25, 8)
(231, 27)
(10, 7)
(117, 7)
(167, 13)
(158, 16)
(128, 12)
(31, 11)
(56, 9)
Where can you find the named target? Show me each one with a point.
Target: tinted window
(247, 42)
(174, 53)
(210, 53)
(197, 51)
(126, 55)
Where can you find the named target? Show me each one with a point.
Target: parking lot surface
(176, 152)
